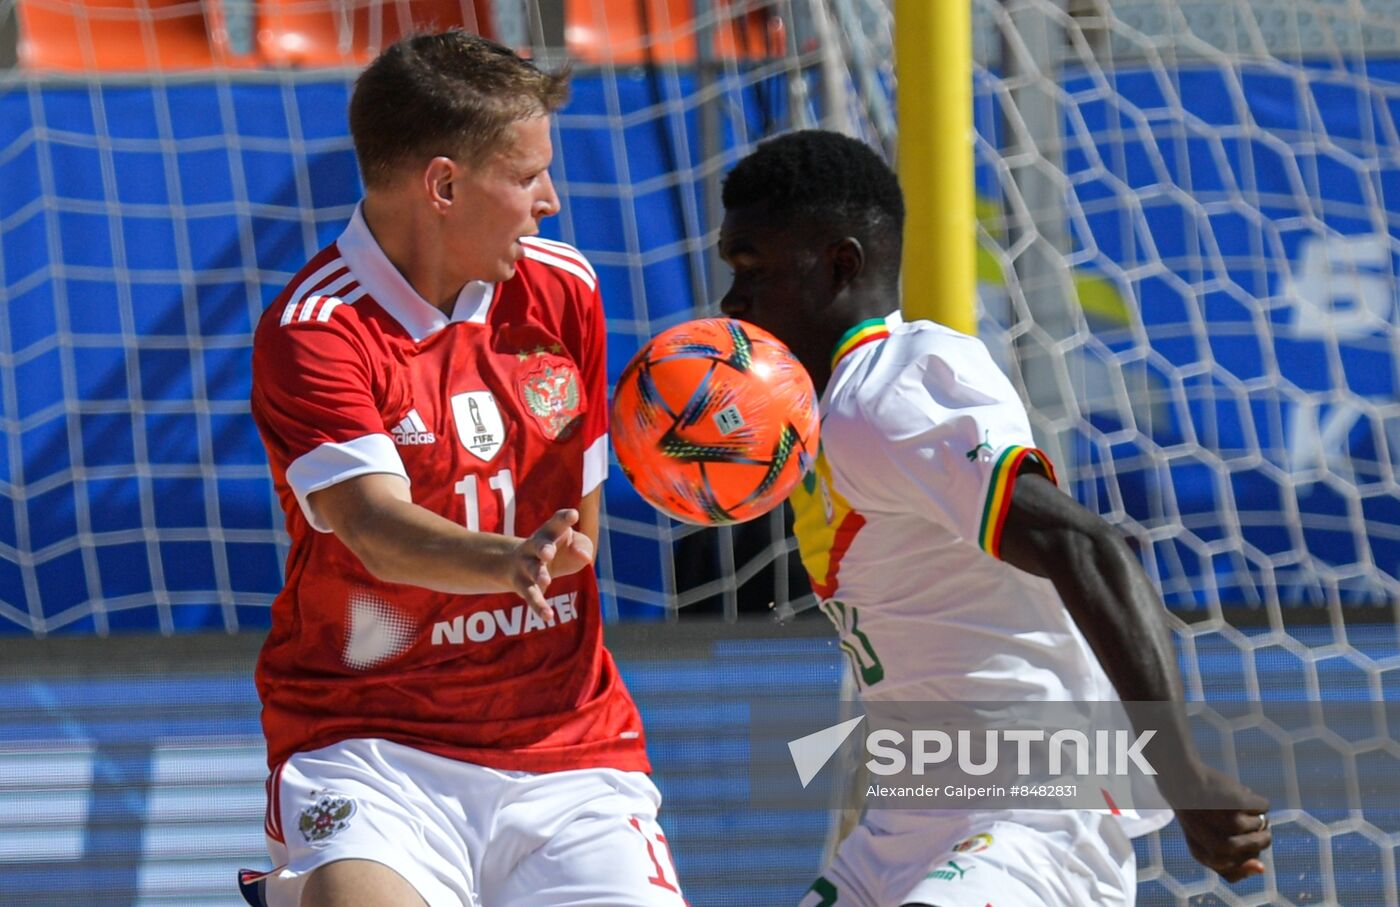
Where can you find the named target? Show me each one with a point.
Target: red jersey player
(443, 723)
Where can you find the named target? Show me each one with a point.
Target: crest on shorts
(329, 814)
(550, 392)
(975, 844)
(479, 425)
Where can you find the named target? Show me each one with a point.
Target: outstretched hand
(553, 550)
(1228, 840)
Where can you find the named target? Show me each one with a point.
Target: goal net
(1188, 225)
(1188, 219)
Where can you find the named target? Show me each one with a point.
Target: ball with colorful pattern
(714, 421)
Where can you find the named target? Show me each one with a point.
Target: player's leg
(581, 839)
(344, 883)
(358, 883)
(355, 827)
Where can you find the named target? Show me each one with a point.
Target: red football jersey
(497, 417)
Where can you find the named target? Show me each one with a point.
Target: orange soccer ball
(714, 421)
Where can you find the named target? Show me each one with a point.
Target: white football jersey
(899, 526)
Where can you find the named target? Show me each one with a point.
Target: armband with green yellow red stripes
(1004, 472)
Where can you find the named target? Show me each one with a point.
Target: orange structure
(317, 33)
(145, 35)
(632, 32)
(114, 35)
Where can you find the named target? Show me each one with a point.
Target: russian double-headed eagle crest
(329, 814)
(550, 392)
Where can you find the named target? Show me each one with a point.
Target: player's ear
(847, 258)
(438, 182)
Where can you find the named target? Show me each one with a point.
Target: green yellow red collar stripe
(1004, 472)
(867, 331)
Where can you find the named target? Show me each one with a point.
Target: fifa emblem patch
(550, 393)
(479, 424)
(329, 814)
(975, 844)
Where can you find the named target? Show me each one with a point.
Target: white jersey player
(941, 548)
(911, 616)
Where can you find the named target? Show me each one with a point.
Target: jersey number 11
(504, 485)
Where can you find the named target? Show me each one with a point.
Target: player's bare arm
(1117, 609)
(588, 523)
(400, 542)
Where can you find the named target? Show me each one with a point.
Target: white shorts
(1023, 859)
(464, 835)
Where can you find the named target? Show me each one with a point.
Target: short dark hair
(823, 177)
(452, 94)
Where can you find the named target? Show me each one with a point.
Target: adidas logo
(412, 430)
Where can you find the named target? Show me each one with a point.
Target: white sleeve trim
(563, 264)
(595, 464)
(331, 463)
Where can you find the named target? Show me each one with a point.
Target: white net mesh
(1188, 262)
(1191, 259)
